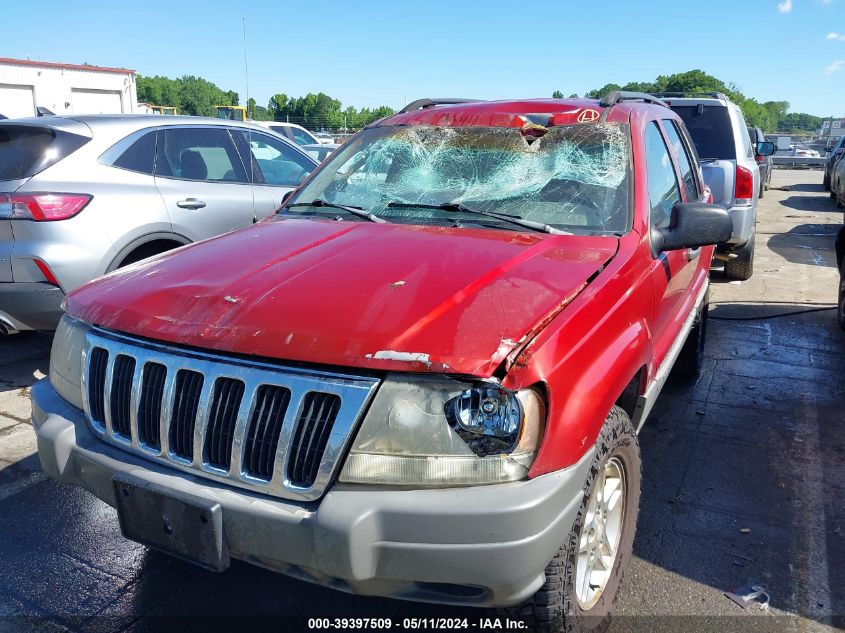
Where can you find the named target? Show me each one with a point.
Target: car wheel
(762, 188)
(691, 359)
(841, 311)
(741, 267)
(826, 182)
(583, 579)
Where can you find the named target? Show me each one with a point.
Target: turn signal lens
(42, 207)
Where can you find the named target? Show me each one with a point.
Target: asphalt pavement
(743, 479)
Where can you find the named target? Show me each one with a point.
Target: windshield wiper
(331, 205)
(457, 206)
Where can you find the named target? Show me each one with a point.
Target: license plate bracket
(182, 525)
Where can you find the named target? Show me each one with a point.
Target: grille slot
(121, 392)
(319, 412)
(271, 428)
(220, 429)
(97, 384)
(149, 405)
(186, 401)
(262, 438)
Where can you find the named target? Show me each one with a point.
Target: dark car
(764, 162)
(840, 261)
(836, 153)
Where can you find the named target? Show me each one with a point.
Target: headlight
(66, 360)
(431, 431)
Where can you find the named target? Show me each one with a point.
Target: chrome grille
(276, 429)
(319, 411)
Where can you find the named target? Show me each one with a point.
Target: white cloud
(785, 6)
(827, 1)
(839, 64)
(836, 36)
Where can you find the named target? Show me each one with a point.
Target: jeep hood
(355, 294)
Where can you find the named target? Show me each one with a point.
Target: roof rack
(421, 104)
(681, 95)
(618, 96)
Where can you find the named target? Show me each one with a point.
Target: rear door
(204, 183)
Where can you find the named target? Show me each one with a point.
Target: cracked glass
(574, 177)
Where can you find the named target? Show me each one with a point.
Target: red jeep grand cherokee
(423, 377)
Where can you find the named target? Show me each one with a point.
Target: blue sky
(374, 52)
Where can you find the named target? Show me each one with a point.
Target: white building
(64, 88)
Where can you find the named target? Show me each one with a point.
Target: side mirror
(765, 148)
(693, 224)
(287, 196)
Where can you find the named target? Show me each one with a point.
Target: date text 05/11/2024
(410, 624)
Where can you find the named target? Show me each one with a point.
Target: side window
(196, 153)
(301, 137)
(663, 190)
(684, 160)
(140, 156)
(279, 163)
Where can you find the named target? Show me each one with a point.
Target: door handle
(190, 203)
(693, 253)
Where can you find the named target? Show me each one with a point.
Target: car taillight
(744, 185)
(760, 159)
(42, 207)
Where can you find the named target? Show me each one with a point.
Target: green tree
(557, 94)
(600, 92)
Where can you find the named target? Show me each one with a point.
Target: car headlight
(429, 431)
(66, 360)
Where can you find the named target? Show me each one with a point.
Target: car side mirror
(693, 224)
(286, 197)
(765, 148)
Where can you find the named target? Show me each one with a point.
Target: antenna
(249, 131)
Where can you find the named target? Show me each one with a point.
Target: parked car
(840, 262)
(291, 131)
(720, 134)
(325, 138)
(836, 153)
(81, 196)
(763, 162)
(423, 377)
(320, 151)
(837, 184)
(802, 151)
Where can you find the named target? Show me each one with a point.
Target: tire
(691, 359)
(555, 608)
(741, 267)
(762, 189)
(826, 182)
(840, 314)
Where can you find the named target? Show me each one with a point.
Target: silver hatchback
(82, 196)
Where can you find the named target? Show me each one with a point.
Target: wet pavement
(743, 478)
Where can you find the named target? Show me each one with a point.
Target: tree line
(769, 116)
(198, 97)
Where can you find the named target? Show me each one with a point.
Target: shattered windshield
(573, 178)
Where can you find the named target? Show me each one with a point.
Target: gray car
(763, 162)
(82, 196)
(729, 167)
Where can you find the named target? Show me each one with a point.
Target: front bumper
(483, 545)
(30, 305)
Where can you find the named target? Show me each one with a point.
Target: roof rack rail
(421, 104)
(681, 95)
(618, 96)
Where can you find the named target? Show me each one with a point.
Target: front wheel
(583, 579)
